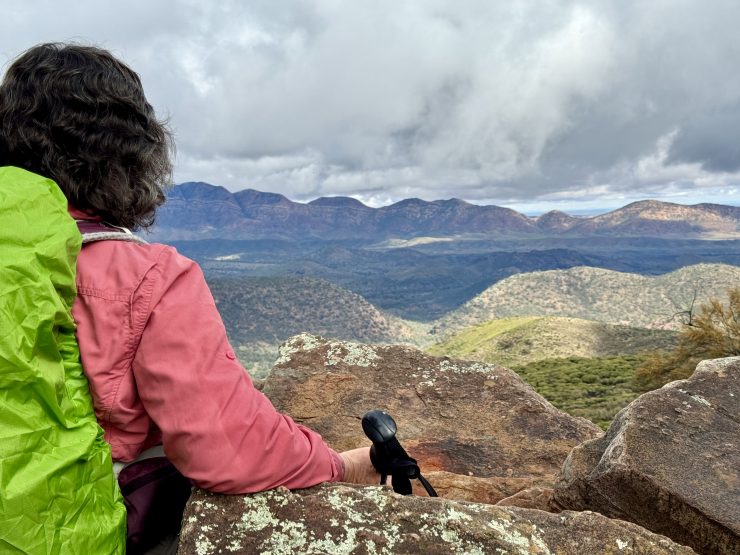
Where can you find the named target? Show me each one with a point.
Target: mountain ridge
(201, 210)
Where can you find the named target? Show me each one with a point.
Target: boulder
(466, 418)
(669, 462)
(346, 519)
(536, 497)
(481, 490)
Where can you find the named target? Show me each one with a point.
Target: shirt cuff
(337, 464)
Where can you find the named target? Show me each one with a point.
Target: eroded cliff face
(483, 437)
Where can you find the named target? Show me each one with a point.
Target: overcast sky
(528, 104)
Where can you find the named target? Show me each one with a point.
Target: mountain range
(196, 210)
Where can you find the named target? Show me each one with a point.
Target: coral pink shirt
(161, 369)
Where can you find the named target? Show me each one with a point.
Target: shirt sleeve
(217, 429)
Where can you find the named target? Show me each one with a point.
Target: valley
(429, 280)
(573, 304)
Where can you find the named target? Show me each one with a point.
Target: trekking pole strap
(389, 457)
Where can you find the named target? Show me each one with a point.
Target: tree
(713, 332)
(686, 315)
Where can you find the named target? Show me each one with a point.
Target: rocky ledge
(669, 462)
(343, 519)
(494, 449)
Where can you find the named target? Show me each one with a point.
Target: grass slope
(582, 367)
(518, 341)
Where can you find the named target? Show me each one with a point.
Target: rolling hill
(405, 282)
(519, 341)
(261, 313)
(274, 309)
(594, 294)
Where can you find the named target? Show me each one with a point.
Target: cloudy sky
(532, 104)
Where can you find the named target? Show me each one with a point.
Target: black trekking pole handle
(389, 457)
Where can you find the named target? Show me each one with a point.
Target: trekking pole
(387, 455)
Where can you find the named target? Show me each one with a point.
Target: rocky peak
(339, 202)
(652, 217)
(555, 220)
(197, 190)
(452, 203)
(405, 203)
(250, 197)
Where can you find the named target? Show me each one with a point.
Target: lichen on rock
(353, 354)
(482, 434)
(303, 341)
(344, 519)
(462, 417)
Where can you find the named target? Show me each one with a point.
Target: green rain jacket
(58, 494)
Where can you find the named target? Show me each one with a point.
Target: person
(153, 346)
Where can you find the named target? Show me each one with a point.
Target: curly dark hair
(79, 116)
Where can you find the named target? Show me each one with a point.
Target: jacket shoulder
(122, 265)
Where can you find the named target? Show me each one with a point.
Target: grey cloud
(712, 140)
(481, 100)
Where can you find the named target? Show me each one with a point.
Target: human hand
(358, 469)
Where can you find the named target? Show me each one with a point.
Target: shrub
(593, 388)
(713, 332)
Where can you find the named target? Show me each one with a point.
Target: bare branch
(686, 314)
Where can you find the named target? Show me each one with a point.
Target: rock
(669, 462)
(481, 490)
(465, 418)
(345, 519)
(536, 497)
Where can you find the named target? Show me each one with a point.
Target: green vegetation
(257, 358)
(475, 340)
(582, 367)
(518, 341)
(711, 332)
(593, 388)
